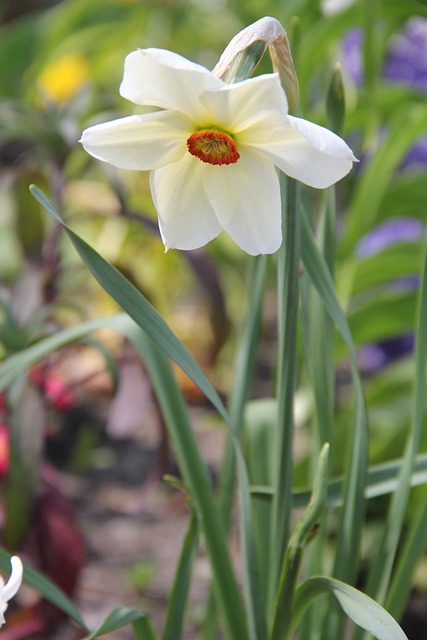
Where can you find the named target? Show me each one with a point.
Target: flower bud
(335, 101)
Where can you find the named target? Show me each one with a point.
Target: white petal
(186, 217)
(237, 105)
(246, 199)
(160, 78)
(11, 587)
(304, 151)
(139, 142)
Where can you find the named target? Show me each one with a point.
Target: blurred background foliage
(61, 66)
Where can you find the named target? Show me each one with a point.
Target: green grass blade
(352, 514)
(359, 607)
(381, 480)
(15, 365)
(413, 549)
(179, 593)
(244, 370)
(303, 532)
(288, 295)
(245, 365)
(118, 618)
(319, 355)
(143, 629)
(196, 479)
(353, 510)
(136, 306)
(251, 583)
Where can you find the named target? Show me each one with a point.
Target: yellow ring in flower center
(213, 146)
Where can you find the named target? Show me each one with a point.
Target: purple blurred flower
(390, 232)
(352, 51)
(373, 357)
(417, 155)
(407, 60)
(406, 63)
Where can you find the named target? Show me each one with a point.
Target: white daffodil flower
(8, 590)
(212, 149)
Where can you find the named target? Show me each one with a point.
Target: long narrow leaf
(288, 296)
(171, 400)
(179, 592)
(359, 607)
(256, 622)
(146, 317)
(319, 355)
(244, 370)
(143, 629)
(136, 306)
(118, 618)
(15, 365)
(346, 557)
(302, 533)
(410, 554)
(381, 480)
(196, 478)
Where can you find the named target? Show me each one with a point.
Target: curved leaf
(15, 365)
(352, 515)
(121, 617)
(137, 307)
(364, 611)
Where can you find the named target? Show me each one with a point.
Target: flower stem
(244, 367)
(288, 275)
(319, 355)
(305, 529)
(196, 478)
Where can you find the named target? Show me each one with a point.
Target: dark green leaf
(118, 618)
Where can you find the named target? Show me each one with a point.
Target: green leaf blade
(116, 619)
(364, 611)
(136, 306)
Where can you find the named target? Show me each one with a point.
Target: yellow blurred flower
(62, 79)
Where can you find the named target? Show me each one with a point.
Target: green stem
(244, 368)
(178, 595)
(196, 478)
(320, 360)
(304, 530)
(288, 276)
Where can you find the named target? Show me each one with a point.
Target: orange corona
(213, 147)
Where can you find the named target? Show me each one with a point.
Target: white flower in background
(331, 7)
(213, 148)
(8, 590)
